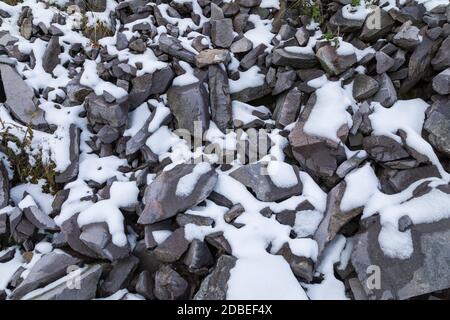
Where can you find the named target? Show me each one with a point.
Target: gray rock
(241, 46)
(120, 275)
(88, 280)
(51, 55)
(3, 226)
(302, 36)
(219, 96)
(198, 256)
(4, 186)
(442, 58)
(251, 93)
(189, 104)
(215, 285)
(386, 95)
(183, 219)
(212, 56)
(19, 98)
(402, 179)
(97, 238)
(408, 36)
(384, 149)
(49, 268)
(441, 82)
(99, 111)
(71, 171)
(146, 85)
(216, 12)
(255, 177)
(234, 212)
(332, 62)
(376, 26)
(39, 219)
(424, 272)
(437, 125)
(76, 92)
(144, 285)
(251, 58)
(173, 247)
(72, 233)
(249, 3)
(169, 285)
(334, 218)
(26, 28)
(283, 57)
(172, 46)
(137, 141)
(108, 134)
(302, 267)
(364, 87)
(384, 62)
(287, 107)
(285, 80)
(339, 22)
(121, 41)
(161, 201)
(222, 33)
(138, 45)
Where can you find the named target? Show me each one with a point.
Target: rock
(384, 62)
(3, 226)
(290, 58)
(404, 178)
(26, 28)
(96, 237)
(108, 134)
(427, 268)
(99, 111)
(234, 212)
(251, 58)
(212, 56)
(183, 219)
(302, 267)
(386, 95)
(71, 171)
(364, 87)
(169, 285)
(120, 275)
(408, 37)
(441, 82)
(376, 26)
(49, 268)
(138, 45)
(384, 149)
(339, 22)
(222, 33)
(144, 285)
(87, 280)
(302, 36)
(442, 59)
(219, 97)
(161, 199)
(4, 186)
(334, 218)
(285, 80)
(72, 233)
(173, 247)
(252, 176)
(241, 46)
(76, 92)
(172, 46)
(146, 85)
(39, 219)
(287, 107)
(437, 125)
(215, 285)
(319, 157)
(198, 256)
(188, 104)
(19, 98)
(51, 55)
(251, 93)
(216, 12)
(249, 3)
(333, 62)
(218, 241)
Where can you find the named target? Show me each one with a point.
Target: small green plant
(356, 3)
(28, 166)
(312, 9)
(329, 36)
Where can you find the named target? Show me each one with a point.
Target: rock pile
(203, 149)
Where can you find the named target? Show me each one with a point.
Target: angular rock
(19, 98)
(161, 201)
(99, 111)
(384, 149)
(198, 256)
(364, 87)
(384, 62)
(241, 46)
(285, 80)
(222, 33)
(71, 171)
(215, 285)
(212, 56)
(39, 219)
(404, 178)
(287, 107)
(49, 268)
(442, 59)
(51, 55)
(4, 186)
(290, 58)
(172, 46)
(441, 82)
(333, 62)
(219, 97)
(169, 285)
(376, 26)
(144, 285)
(120, 275)
(437, 125)
(408, 37)
(302, 267)
(189, 103)
(252, 176)
(173, 247)
(386, 95)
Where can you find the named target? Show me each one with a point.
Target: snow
(26, 203)
(136, 119)
(260, 34)
(244, 112)
(186, 184)
(356, 13)
(161, 235)
(251, 78)
(186, 78)
(329, 113)
(7, 269)
(361, 184)
(43, 247)
(282, 174)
